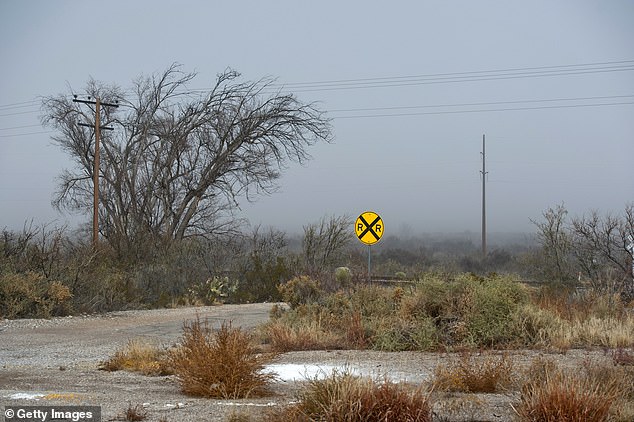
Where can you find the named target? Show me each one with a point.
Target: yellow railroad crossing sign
(369, 228)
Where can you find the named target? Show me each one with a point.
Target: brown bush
(220, 364)
(554, 395)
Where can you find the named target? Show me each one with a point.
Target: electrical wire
(435, 78)
(481, 110)
(24, 134)
(19, 127)
(447, 77)
(581, 65)
(607, 97)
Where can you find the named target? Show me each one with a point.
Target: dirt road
(54, 362)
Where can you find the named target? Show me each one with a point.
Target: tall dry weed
(590, 394)
(221, 364)
(471, 373)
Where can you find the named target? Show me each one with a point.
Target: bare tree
(601, 249)
(324, 241)
(594, 245)
(179, 159)
(554, 237)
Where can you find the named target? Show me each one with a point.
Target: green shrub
(343, 276)
(30, 295)
(424, 335)
(400, 275)
(491, 305)
(260, 280)
(373, 301)
(300, 290)
(213, 290)
(393, 334)
(436, 298)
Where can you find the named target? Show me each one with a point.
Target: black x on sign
(369, 228)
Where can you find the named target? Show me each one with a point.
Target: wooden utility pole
(95, 172)
(484, 216)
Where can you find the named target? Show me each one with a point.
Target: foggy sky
(419, 169)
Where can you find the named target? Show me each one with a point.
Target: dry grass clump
(474, 374)
(565, 397)
(592, 393)
(345, 397)
(139, 356)
(306, 336)
(219, 364)
(134, 413)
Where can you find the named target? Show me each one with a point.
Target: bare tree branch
(178, 161)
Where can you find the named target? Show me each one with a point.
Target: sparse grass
(345, 397)
(139, 356)
(132, 414)
(623, 357)
(239, 417)
(219, 364)
(474, 374)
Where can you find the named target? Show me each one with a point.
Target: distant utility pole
(484, 215)
(95, 172)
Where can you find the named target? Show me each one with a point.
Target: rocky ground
(54, 362)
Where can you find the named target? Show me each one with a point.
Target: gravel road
(54, 362)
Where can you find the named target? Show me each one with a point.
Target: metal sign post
(369, 230)
(369, 263)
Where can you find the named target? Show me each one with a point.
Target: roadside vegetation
(571, 289)
(173, 175)
(448, 313)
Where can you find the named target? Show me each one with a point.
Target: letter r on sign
(359, 227)
(377, 227)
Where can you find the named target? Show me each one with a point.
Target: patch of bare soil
(54, 362)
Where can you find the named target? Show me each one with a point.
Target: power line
(24, 134)
(19, 127)
(445, 77)
(546, 100)
(446, 81)
(20, 104)
(390, 78)
(440, 112)
(18, 113)
(490, 110)
(451, 77)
